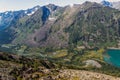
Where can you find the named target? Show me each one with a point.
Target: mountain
(69, 27)
(22, 22)
(9, 17)
(89, 24)
(12, 22)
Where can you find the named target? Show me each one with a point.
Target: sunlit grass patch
(60, 53)
(93, 55)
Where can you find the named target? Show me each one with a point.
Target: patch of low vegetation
(93, 55)
(59, 54)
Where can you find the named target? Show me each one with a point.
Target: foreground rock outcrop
(79, 75)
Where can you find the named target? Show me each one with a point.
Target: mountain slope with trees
(88, 24)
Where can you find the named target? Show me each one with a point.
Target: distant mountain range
(88, 24)
(6, 18)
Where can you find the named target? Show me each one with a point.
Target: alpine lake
(112, 56)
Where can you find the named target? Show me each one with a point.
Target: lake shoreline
(113, 58)
(113, 48)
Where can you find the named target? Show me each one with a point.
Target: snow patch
(33, 11)
(52, 19)
(6, 12)
(29, 14)
(36, 9)
(25, 12)
(0, 19)
(71, 5)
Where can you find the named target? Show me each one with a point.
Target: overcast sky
(6, 5)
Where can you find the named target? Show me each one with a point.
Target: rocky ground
(79, 75)
(13, 67)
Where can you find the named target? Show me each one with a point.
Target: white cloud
(113, 0)
(102, 0)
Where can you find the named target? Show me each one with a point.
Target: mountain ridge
(59, 21)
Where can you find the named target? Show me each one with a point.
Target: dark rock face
(107, 3)
(46, 13)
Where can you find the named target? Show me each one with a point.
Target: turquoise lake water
(112, 56)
